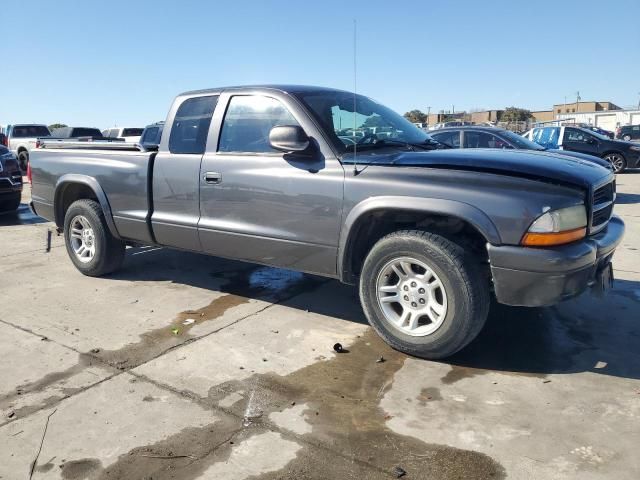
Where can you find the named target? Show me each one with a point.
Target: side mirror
(288, 138)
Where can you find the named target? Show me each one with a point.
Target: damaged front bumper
(535, 277)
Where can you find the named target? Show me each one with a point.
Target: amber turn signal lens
(555, 238)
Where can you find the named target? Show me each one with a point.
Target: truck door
(263, 205)
(578, 140)
(176, 188)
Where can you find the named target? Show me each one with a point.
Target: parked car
(494, 137)
(128, 134)
(599, 130)
(21, 138)
(151, 135)
(10, 181)
(628, 132)
(454, 123)
(620, 154)
(260, 174)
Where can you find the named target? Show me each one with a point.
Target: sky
(120, 63)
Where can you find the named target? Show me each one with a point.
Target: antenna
(355, 86)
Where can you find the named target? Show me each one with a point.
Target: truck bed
(118, 172)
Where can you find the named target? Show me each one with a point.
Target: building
(444, 117)
(576, 107)
(607, 120)
(492, 116)
(543, 115)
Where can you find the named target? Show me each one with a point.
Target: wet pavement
(190, 367)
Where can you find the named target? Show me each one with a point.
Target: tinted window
(191, 125)
(448, 138)
(483, 140)
(86, 132)
(575, 135)
(30, 131)
(248, 121)
(150, 135)
(132, 132)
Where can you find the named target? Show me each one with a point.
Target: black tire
(617, 161)
(467, 291)
(627, 138)
(10, 203)
(109, 251)
(23, 160)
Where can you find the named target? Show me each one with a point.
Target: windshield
(86, 132)
(365, 125)
(521, 142)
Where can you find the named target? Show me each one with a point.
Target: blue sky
(122, 62)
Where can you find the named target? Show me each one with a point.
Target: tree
(514, 114)
(56, 125)
(416, 116)
(374, 121)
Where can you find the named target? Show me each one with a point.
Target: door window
(575, 135)
(448, 138)
(191, 125)
(248, 121)
(483, 140)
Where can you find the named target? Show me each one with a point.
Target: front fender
(437, 206)
(74, 179)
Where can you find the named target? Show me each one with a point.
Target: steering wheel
(368, 138)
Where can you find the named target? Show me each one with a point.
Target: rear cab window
(548, 137)
(132, 132)
(190, 126)
(25, 131)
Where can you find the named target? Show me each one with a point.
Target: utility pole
(565, 104)
(429, 115)
(577, 101)
(638, 100)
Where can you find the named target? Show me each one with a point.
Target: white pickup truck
(20, 139)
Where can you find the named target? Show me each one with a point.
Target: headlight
(557, 227)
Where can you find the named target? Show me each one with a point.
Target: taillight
(29, 172)
(38, 143)
(5, 141)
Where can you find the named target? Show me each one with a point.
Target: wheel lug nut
(421, 290)
(406, 297)
(405, 288)
(413, 284)
(414, 304)
(421, 301)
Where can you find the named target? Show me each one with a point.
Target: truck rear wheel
(422, 294)
(23, 160)
(90, 245)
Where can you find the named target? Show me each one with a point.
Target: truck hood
(583, 156)
(543, 166)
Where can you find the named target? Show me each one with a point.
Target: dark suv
(628, 132)
(10, 181)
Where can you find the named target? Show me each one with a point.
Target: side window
(448, 138)
(483, 140)
(150, 135)
(191, 125)
(575, 135)
(247, 123)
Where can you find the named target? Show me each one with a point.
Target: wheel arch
(72, 187)
(354, 230)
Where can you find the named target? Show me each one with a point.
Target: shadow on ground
(627, 198)
(589, 333)
(23, 216)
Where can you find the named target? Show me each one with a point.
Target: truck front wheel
(23, 160)
(422, 294)
(90, 245)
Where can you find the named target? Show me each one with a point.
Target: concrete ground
(190, 367)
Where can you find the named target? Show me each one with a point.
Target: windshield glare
(367, 123)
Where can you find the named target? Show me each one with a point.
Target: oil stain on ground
(240, 286)
(349, 437)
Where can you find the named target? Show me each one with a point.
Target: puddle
(259, 283)
(349, 437)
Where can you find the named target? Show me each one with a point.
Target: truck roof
(279, 87)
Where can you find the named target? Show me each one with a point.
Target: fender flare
(74, 179)
(437, 206)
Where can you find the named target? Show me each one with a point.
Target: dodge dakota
(297, 177)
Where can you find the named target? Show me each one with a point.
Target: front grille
(602, 206)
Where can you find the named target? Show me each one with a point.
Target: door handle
(212, 177)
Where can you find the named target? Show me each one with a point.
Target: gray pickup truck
(296, 177)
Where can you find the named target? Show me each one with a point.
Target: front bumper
(536, 277)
